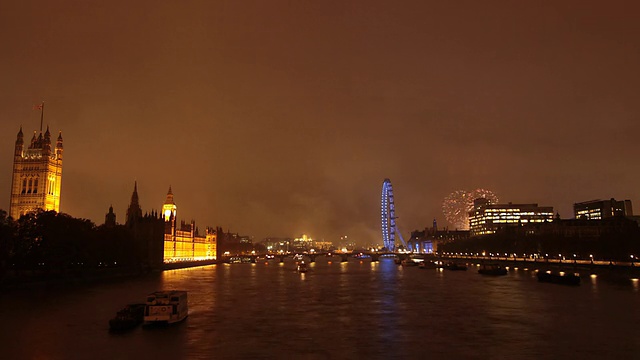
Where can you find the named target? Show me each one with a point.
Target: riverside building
(37, 174)
(602, 209)
(487, 218)
(162, 238)
(184, 242)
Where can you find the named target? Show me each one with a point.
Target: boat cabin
(166, 306)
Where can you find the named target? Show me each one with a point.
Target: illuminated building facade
(428, 240)
(37, 174)
(323, 245)
(302, 243)
(184, 242)
(602, 209)
(487, 218)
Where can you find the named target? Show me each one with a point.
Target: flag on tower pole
(41, 108)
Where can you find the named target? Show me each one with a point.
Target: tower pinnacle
(134, 212)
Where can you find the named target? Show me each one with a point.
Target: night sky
(277, 118)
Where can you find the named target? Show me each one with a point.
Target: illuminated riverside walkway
(590, 265)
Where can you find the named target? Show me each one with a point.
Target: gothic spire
(134, 197)
(19, 143)
(169, 199)
(46, 145)
(134, 212)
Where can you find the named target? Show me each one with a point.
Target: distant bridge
(344, 257)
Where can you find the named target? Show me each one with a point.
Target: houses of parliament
(36, 184)
(162, 237)
(37, 174)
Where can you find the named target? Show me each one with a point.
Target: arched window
(30, 186)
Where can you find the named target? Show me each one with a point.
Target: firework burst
(456, 206)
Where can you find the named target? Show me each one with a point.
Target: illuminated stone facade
(184, 242)
(37, 175)
(487, 218)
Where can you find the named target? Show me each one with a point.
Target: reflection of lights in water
(526, 269)
(515, 268)
(634, 281)
(302, 275)
(329, 262)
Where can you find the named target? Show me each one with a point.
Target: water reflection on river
(337, 310)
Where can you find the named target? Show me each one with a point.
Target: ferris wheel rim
(387, 212)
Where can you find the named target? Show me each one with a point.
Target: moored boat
(127, 318)
(428, 264)
(559, 278)
(455, 266)
(409, 262)
(492, 269)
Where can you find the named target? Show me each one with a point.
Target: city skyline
(284, 119)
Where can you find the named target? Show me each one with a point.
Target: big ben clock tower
(169, 215)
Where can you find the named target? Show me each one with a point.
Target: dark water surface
(351, 310)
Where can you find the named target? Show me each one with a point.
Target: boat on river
(127, 318)
(429, 264)
(302, 267)
(455, 266)
(410, 262)
(561, 278)
(166, 307)
(492, 269)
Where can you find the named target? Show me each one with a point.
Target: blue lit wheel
(387, 212)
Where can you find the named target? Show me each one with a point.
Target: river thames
(354, 310)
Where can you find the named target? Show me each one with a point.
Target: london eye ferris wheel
(388, 217)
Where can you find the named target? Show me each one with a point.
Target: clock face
(167, 213)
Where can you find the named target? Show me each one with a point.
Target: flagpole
(41, 115)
